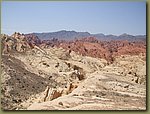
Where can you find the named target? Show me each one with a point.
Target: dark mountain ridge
(71, 35)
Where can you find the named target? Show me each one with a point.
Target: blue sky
(95, 17)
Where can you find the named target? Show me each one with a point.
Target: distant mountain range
(71, 35)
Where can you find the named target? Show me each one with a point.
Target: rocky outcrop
(51, 94)
(65, 55)
(99, 92)
(134, 66)
(50, 43)
(104, 49)
(16, 42)
(32, 39)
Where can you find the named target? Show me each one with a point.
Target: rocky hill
(74, 75)
(62, 35)
(90, 46)
(71, 35)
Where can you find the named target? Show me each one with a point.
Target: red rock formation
(32, 39)
(88, 46)
(104, 49)
(50, 43)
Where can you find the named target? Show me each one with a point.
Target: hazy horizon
(114, 18)
(70, 31)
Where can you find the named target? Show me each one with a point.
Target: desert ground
(84, 74)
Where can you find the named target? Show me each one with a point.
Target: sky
(95, 17)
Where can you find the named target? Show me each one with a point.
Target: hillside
(72, 35)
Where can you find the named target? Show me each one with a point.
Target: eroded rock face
(106, 49)
(32, 39)
(16, 42)
(99, 92)
(19, 42)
